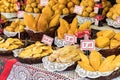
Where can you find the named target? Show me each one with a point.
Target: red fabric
(7, 68)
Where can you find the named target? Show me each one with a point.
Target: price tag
(118, 20)
(47, 40)
(78, 9)
(96, 22)
(96, 9)
(18, 5)
(70, 38)
(20, 14)
(43, 2)
(87, 45)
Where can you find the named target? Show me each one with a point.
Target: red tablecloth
(7, 68)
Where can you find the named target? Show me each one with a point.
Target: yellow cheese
(117, 36)
(114, 44)
(102, 42)
(108, 34)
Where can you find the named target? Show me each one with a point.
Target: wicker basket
(29, 60)
(115, 74)
(23, 35)
(108, 52)
(38, 36)
(72, 67)
(6, 53)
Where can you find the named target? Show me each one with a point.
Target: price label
(96, 22)
(118, 20)
(87, 45)
(18, 5)
(43, 2)
(20, 14)
(70, 38)
(96, 9)
(47, 40)
(78, 9)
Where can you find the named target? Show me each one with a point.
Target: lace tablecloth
(38, 72)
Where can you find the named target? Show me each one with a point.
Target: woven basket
(72, 67)
(38, 36)
(6, 53)
(108, 52)
(115, 74)
(29, 60)
(23, 35)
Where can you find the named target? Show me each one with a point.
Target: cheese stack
(33, 6)
(107, 39)
(88, 8)
(63, 6)
(8, 6)
(95, 62)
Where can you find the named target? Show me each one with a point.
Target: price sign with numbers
(18, 5)
(118, 20)
(78, 9)
(96, 9)
(47, 40)
(20, 14)
(96, 21)
(70, 38)
(43, 2)
(87, 45)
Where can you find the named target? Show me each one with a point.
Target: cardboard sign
(47, 40)
(70, 38)
(96, 22)
(20, 14)
(96, 9)
(87, 45)
(43, 2)
(118, 20)
(18, 5)
(78, 9)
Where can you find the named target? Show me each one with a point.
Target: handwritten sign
(96, 21)
(78, 9)
(96, 9)
(70, 38)
(43, 2)
(20, 14)
(47, 40)
(118, 20)
(18, 5)
(87, 45)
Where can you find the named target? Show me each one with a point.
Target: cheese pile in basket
(66, 54)
(11, 43)
(95, 62)
(36, 50)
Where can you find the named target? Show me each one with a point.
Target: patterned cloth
(22, 71)
(28, 72)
